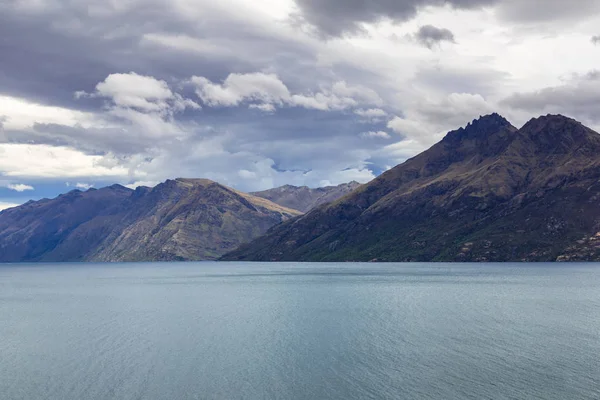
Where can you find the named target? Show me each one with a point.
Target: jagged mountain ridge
(303, 198)
(182, 219)
(486, 192)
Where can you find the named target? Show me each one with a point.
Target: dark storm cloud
(62, 48)
(429, 36)
(56, 51)
(335, 17)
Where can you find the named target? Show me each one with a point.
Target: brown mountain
(486, 192)
(303, 198)
(183, 219)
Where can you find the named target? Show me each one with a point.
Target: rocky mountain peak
(487, 192)
(559, 134)
(553, 124)
(549, 120)
(481, 128)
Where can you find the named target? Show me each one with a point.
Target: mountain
(303, 198)
(183, 219)
(486, 192)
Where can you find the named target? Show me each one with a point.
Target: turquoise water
(299, 331)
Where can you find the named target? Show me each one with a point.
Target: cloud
(430, 36)
(268, 108)
(596, 39)
(6, 205)
(336, 17)
(141, 93)
(578, 97)
(137, 184)
(375, 135)
(44, 161)
(454, 109)
(529, 11)
(19, 187)
(285, 106)
(267, 91)
(370, 113)
(411, 129)
(361, 93)
(265, 88)
(427, 120)
(84, 186)
(22, 114)
(137, 111)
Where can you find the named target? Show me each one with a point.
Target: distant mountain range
(182, 219)
(304, 198)
(486, 192)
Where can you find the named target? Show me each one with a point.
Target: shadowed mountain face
(183, 219)
(486, 192)
(303, 198)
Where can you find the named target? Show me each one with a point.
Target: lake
(299, 331)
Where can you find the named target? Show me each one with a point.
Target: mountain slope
(183, 219)
(485, 192)
(303, 198)
(37, 230)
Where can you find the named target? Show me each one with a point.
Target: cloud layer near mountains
(260, 94)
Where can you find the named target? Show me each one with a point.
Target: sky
(258, 94)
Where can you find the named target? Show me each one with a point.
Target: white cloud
(236, 88)
(139, 92)
(323, 101)
(270, 92)
(19, 187)
(360, 93)
(399, 152)
(6, 205)
(245, 174)
(375, 135)
(410, 129)
(44, 161)
(268, 108)
(22, 114)
(84, 186)
(370, 113)
(428, 119)
(139, 109)
(137, 184)
(136, 91)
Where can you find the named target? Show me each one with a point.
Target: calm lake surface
(299, 331)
